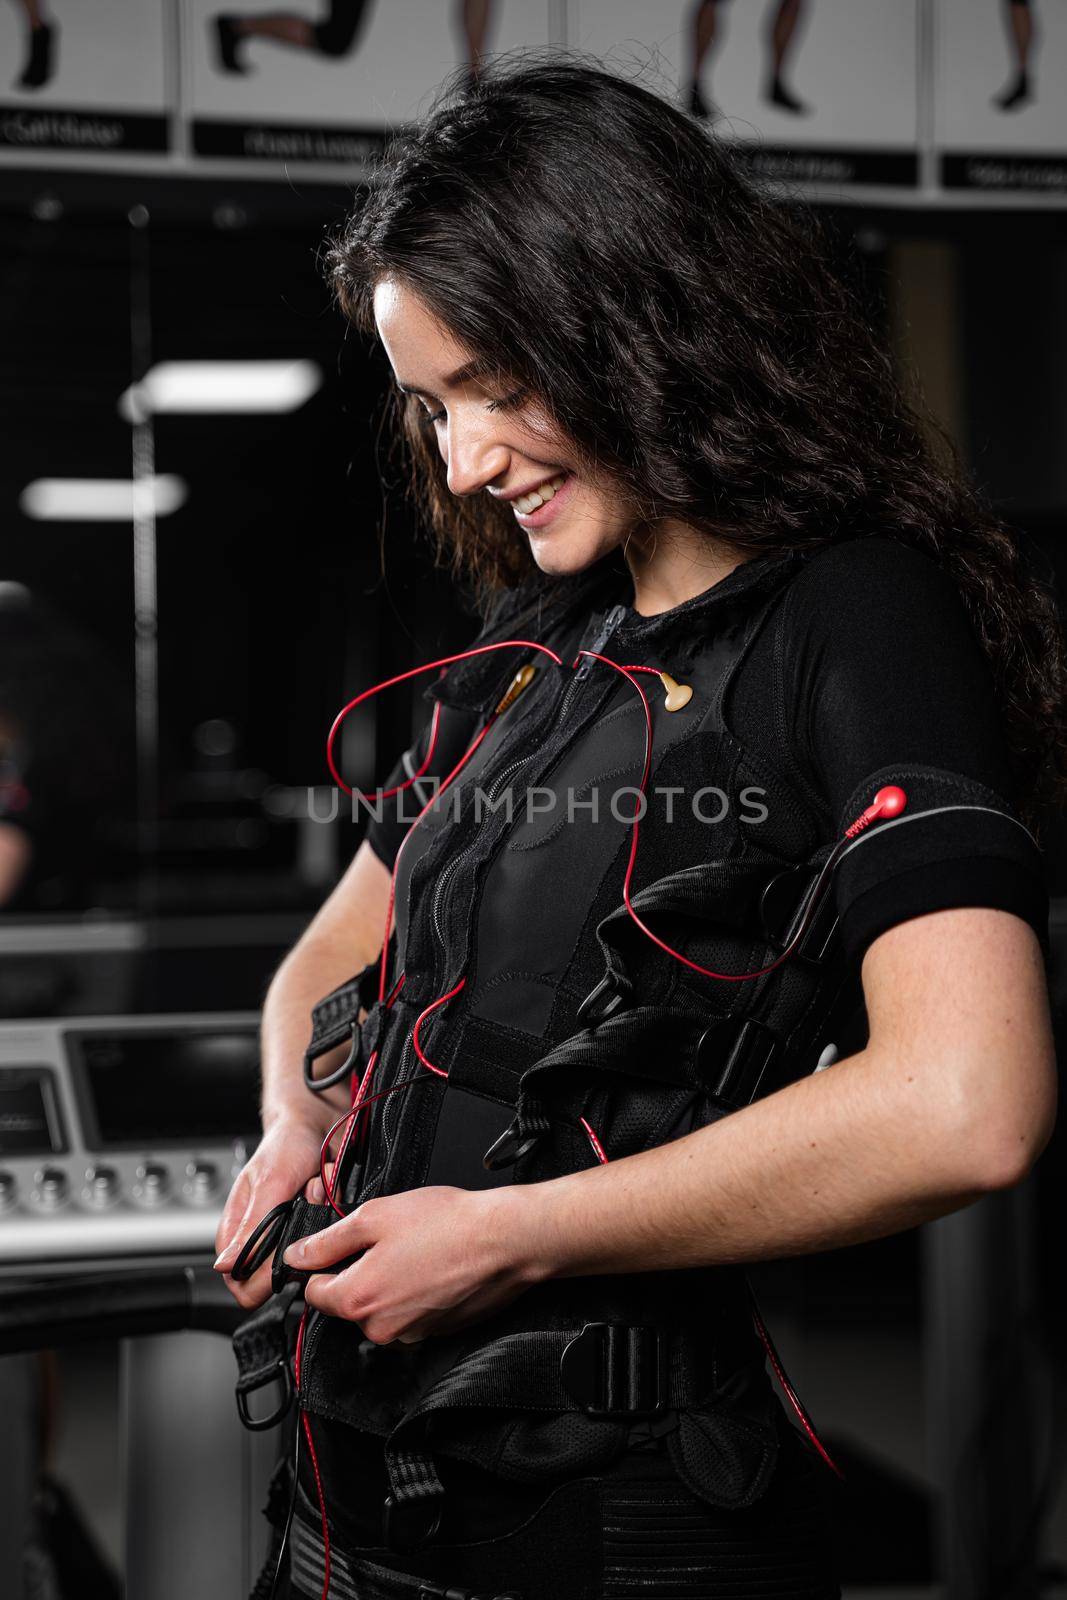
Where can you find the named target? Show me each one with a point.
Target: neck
(672, 562)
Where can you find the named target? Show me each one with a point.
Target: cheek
(538, 436)
(600, 508)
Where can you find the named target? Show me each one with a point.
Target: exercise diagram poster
(85, 77)
(1001, 95)
(321, 79)
(818, 91)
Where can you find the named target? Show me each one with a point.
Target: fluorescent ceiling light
(217, 386)
(100, 499)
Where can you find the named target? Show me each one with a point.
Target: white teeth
(538, 497)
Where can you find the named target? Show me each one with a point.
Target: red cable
(413, 672)
(387, 683)
(440, 1001)
(869, 815)
(593, 1140)
(358, 1100)
(314, 1464)
(404, 1083)
(791, 1394)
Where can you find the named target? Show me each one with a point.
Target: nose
(476, 455)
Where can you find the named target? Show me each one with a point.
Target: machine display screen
(184, 1088)
(29, 1117)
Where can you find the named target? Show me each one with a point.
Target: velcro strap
(373, 1030)
(489, 1058)
(332, 1017)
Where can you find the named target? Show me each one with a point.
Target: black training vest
(528, 909)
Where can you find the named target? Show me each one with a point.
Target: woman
(644, 415)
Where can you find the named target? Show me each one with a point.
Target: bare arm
(953, 1096)
(344, 935)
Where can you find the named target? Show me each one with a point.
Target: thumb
(322, 1249)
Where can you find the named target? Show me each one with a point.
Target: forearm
(344, 935)
(311, 969)
(853, 1153)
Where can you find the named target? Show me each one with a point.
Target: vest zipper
(616, 615)
(310, 1341)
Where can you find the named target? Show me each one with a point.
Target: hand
(434, 1259)
(285, 1159)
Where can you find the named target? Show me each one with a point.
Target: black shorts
(634, 1530)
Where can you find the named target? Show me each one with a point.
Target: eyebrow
(478, 368)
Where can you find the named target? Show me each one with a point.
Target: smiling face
(498, 443)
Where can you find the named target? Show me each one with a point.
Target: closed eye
(432, 418)
(508, 400)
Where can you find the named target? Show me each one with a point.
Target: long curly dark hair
(597, 247)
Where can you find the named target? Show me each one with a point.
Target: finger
(260, 1202)
(314, 1193)
(232, 1212)
(251, 1293)
(325, 1292)
(229, 1252)
(322, 1249)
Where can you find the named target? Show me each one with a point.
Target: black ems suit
(617, 1435)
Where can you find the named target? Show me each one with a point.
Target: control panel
(121, 1136)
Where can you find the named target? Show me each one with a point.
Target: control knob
(201, 1181)
(51, 1189)
(101, 1186)
(152, 1184)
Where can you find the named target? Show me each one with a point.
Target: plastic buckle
(409, 1524)
(815, 944)
(261, 1241)
(782, 910)
(620, 989)
(318, 1085)
(504, 1152)
(748, 1060)
(607, 1381)
(246, 1386)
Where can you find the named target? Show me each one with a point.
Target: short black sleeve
(887, 683)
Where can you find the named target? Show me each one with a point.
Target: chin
(561, 558)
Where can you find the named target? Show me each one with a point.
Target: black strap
(615, 1371)
(737, 894)
(724, 1057)
(261, 1346)
(335, 1018)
